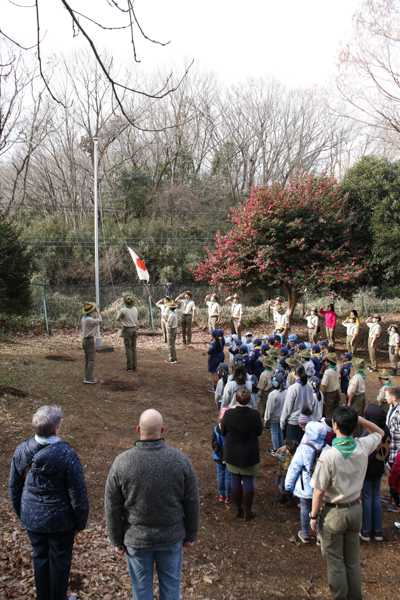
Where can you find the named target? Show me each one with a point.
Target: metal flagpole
(96, 239)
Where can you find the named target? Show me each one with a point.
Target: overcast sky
(296, 41)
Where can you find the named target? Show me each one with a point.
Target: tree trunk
(293, 298)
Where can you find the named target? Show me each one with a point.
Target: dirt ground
(232, 560)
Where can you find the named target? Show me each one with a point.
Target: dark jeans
(245, 481)
(52, 555)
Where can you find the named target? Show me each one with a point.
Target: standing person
(214, 311)
(352, 330)
(345, 374)
(215, 355)
(48, 495)
(330, 322)
(152, 509)
(297, 395)
(292, 363)
(241, 427)
(236, 314)
(371, 501)
(282, 320)
(375, 331)
(163, 306)
(239, 379)
(312, 325)
(330, 384)
(339, 477)
(393, 423)
(172, 328)
(394, 346)
(89, 331)
(356, 391)
(384, 382)
(128, 316)
(223, 474)
(276, 303)
(265, 382)
(273, 410)
(188, 314)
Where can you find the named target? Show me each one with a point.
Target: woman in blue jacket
(298, 477)
(48, 494)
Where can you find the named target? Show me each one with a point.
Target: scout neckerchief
(363, 375)
(372, 328)
(345, 445)
(351, 328)
(388, 384)
(334, 367)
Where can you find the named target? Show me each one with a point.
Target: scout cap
(352, 318)
(332, 357)
(302, 346)
(215, 332)
(88, 307)
(249, 333)
(324, 343)
(314, 309)
(293, 337)
(172, 304)
(347, 355)
(188, 293)
(279, 309)
(376, 316)
(279, 298)
(359, 364)
(235, 296)
(129, 300)
(305, 354)
(383, 374)
(257, 342)
(316, 348)
(279, 328)
(267, 361)
(284, 351)
(274, 352)
(293, 361)
(395, 326)
(238, 359)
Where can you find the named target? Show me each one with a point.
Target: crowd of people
(331, 450)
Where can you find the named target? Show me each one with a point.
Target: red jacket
(394, 475)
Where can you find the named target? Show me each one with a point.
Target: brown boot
(247, 504)
(237, 498)
(291, 503)
(282, 499)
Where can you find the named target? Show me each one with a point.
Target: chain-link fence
(61, 305)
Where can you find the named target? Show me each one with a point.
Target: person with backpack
(239, 379)
(223, 373)
(254, 356)
(254, 392)
(301, 471)
(273, 410)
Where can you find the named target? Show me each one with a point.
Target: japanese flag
(141, 269)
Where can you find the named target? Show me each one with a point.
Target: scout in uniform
(394, 345)
(188, 313)
(236, 314)
(292, 363)
(128, 317)
(356, 391)
(172, 328)
(375, 331)
(305, 358)
(163, 306)
(89, 330)
(265, 382)
(330, 384)
(339, 478)
(352, 330)
(385, 382)
(278, 302)
(312, 325)
(282, 320)
(214, 311)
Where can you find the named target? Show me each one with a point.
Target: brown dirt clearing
(232, 560)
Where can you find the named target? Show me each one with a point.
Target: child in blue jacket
(345, 373)
(223, 475)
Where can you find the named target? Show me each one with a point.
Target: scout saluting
(89, 329)
(172, 327)
(385, 382)
(236, 314)
(163, 306)
(214, 311)
(356, 391)
(394, 345)
(375, 331)
(128, 316)
(188, 313)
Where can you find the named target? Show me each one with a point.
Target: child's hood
(315, 434)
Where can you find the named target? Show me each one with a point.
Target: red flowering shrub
(301, 236)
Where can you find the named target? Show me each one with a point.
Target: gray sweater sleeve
(191, 504)
(113, 506)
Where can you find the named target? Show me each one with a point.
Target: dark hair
(292, 446)
(243, 396)
(243, 349)
(239, 374)
(355, 313)
(218, 344)
(301, 373)
(345, 418)
(306, 411)
(394, 391)
(277, 338)
(331, 307)
(331, 349)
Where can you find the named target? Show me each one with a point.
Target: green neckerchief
(331, 367)
(86, 316)
(267, 368)
(363, 375)
(345, 445)
(388, 384)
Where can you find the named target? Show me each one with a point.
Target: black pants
(52, 555)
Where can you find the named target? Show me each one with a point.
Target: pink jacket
(330, 318)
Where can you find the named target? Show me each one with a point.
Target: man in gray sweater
(152, 509)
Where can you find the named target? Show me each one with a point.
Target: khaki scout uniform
(282, 319)
(357, 387)
(164, 316)
(214, 310)
(172, 327)
(332, 394)
(188, 307)
(312, 326)
(342, 479)
(128, 317)
(381, 397)
(375, 330)
(236, 314)
(89, 332)
(265, 386)
(352, 330)
(394, 339)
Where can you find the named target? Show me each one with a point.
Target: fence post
(45, 311)
(150, 309)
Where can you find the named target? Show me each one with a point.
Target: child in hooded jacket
(223, 475)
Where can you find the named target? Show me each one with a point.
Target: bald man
(152, 509)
